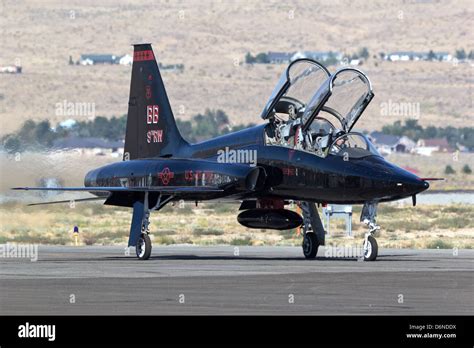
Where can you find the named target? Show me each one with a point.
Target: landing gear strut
(140, 226)
(369, 212)
(143, 247)
(314, 234)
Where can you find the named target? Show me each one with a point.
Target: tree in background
(44, 135)
(466, 169)
(364, 53)
(431, 55)
(262, 58)
(463, 136)
(12, 144)
(461, 54)
(449, 170)
(331, 60)
(249, 59)
(394, 129)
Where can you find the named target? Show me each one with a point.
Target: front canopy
(341, 99)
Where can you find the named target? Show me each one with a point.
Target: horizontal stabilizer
(68, 201)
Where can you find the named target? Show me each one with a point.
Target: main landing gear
(310, 245)
(314, 234)
(143, 247)
(369, 212)
(140, 232)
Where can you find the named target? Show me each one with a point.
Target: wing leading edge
(169, 190)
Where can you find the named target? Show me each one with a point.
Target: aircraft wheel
(310, 245)
(143, 247)
(371, 249)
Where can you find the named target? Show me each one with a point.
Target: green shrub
(241, 241)
(198, 231)
(449, 170)
(439, 244)
(466, 169)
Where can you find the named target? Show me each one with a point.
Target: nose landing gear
(369, 212)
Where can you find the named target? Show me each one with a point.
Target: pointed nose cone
(409, 184)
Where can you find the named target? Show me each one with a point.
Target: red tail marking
(140, 56)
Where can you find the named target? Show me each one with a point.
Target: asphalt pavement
(236, 280)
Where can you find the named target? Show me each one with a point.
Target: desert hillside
(211, 39)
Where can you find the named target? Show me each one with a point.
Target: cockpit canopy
(295, 88)
(313, 110)
(352, 145)
(308, 91)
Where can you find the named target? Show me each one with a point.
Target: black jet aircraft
(305, 152)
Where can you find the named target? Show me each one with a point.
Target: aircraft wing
(164, 189)
(169, 190)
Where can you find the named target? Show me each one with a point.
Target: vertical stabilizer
(151, 127)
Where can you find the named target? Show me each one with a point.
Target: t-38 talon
(305, 151)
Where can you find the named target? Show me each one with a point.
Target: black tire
(310, 245)
(143, 247)
(372, 251)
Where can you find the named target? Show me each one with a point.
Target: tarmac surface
(236, 280)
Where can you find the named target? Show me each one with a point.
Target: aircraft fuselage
(288, 173)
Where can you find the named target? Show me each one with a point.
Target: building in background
(93, 59)
(279, 57)
(387, 143)
(126, 60)
(10, 69)
(427, 146)
(319, 56)
(416, 56)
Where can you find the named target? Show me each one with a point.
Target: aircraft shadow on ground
(265, 258)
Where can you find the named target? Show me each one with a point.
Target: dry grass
(402, 227)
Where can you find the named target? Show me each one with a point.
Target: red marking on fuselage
(166, 175)
(148, 92)
(289, 171)
(188, 175)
